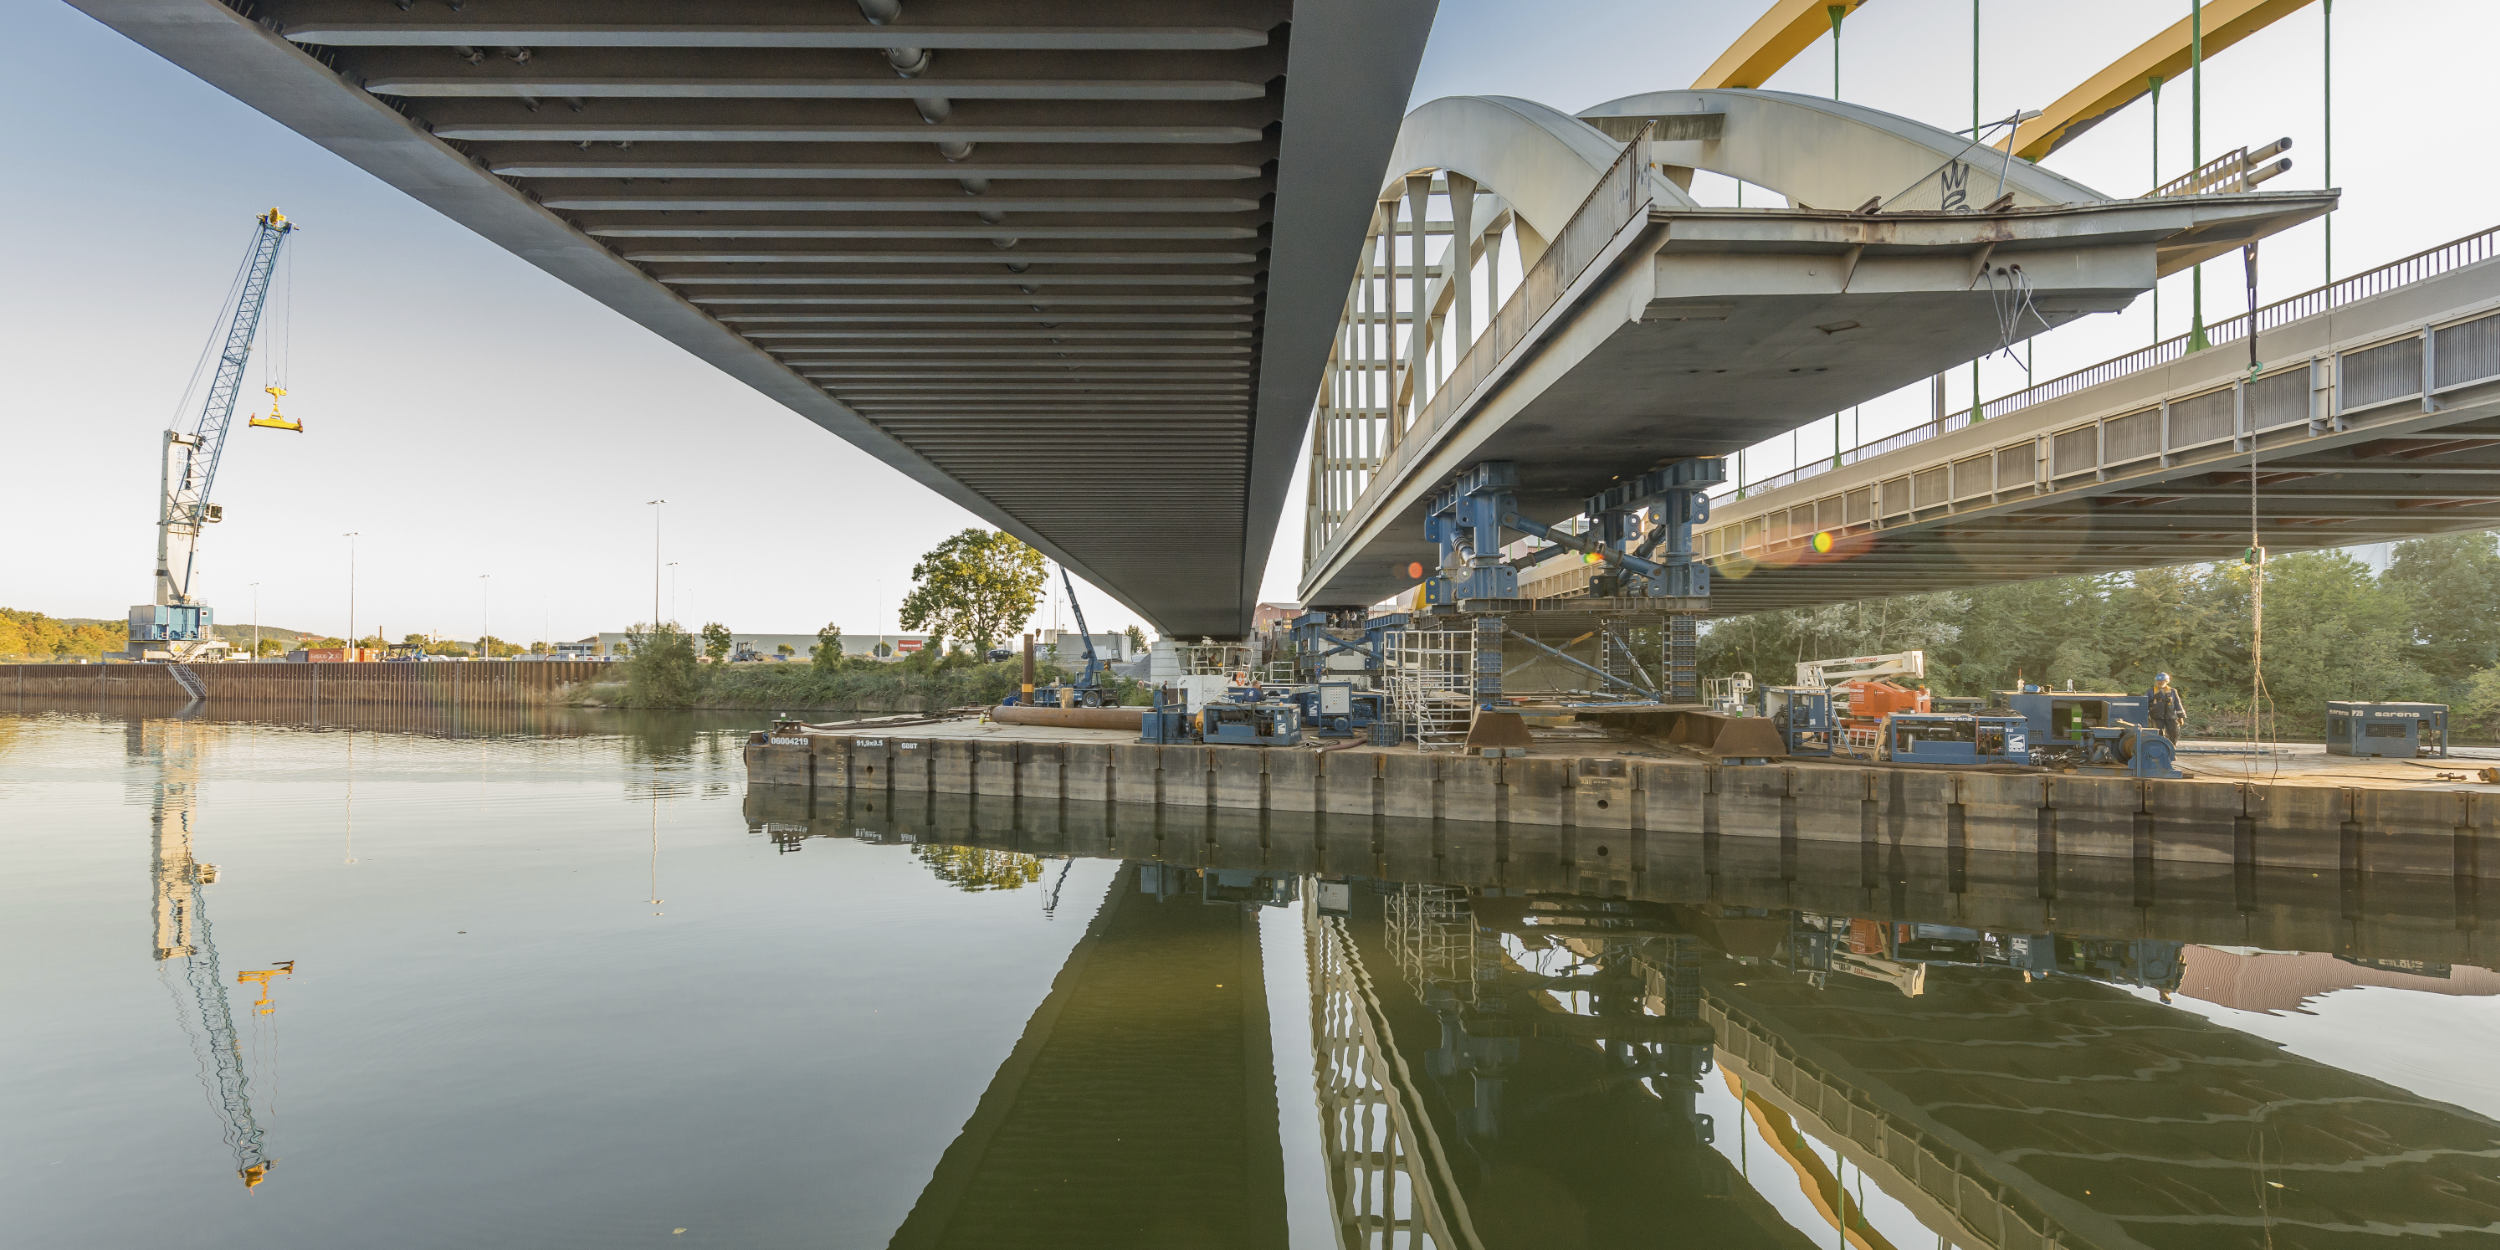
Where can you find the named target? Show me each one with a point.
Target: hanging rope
(2260, 700)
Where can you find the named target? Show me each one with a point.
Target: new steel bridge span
(1646, 328)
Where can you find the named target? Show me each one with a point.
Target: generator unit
(1957, 738)
(2095, 730)
(1272, 724)
(1335, 709)
(2400, 730)
(1803, 718)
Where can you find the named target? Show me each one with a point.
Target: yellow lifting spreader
(276, 420)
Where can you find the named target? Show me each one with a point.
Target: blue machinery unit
(1168, 721)
(1271, 724)
(1803, 717)
(1251, 720)
(2093, 730)
(1335, 709)
(1956, 738)
(2402, 730)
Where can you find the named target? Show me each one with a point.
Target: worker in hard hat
(2167, 708)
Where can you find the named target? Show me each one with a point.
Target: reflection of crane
(176, 623)
(1050, 901)
(182, 933)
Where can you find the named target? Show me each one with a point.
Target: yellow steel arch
(2164, 56)
(1775, 39)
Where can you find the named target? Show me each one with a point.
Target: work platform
(1584, 792)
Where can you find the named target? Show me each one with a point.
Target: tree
(1136, 638)
(828, 656)
(2478, 711)
(2448, 590)
(973, 868)
(975, 587)
(783, 649)
(662, 671)
(716, 641)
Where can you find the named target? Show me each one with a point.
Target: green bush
(662, 671)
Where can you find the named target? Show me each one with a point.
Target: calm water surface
(564, 981)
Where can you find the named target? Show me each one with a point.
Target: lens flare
(1823, 542)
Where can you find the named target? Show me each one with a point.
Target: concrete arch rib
(1540, 160)
(1831, 154)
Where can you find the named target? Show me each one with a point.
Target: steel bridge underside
(2378, 420)
(1072, 267)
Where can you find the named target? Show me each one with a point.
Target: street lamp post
(655, 561)
(351, 589)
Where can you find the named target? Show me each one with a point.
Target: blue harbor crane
(177, 626)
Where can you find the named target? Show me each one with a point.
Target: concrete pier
(1590, 801)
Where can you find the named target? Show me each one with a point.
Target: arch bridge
(1543, 290)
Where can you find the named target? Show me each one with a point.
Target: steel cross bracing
(2373, 414)
(1070, 265)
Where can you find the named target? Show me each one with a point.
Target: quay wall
(1589, 808)
(505, 684)
(2361, 915)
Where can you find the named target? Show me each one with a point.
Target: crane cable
(209, 346)
(2260, 700)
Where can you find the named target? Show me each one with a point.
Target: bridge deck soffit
(766, 183)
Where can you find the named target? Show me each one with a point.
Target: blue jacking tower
(1640, 534)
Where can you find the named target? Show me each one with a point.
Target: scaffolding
(1431, 677)
(1432, 934)
(1211, 658)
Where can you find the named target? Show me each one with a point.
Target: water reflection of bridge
(1550, 1056)
(1138, 1107)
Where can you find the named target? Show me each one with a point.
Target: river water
(562, 980)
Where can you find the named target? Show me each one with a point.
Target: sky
(493, 437)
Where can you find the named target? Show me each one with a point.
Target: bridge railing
(1620, 197)
(2419, 267)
